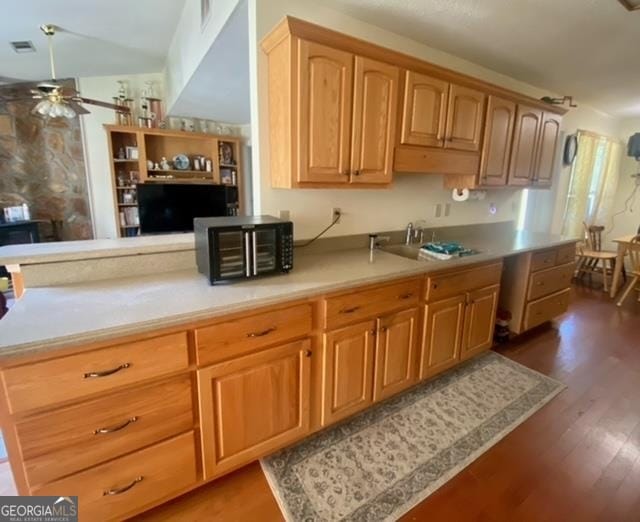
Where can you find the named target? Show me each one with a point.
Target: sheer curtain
(594, 179)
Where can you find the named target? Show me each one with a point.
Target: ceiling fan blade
(99, 103)
(77, 107)
(19, 98)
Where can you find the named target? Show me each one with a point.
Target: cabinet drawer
(128, 484)
(460, 281)
(76, 437)
(545, 282)
(566, 254)
(75, 376)
(246, 334)
(547, 308)
(362, 304)
(543, 259)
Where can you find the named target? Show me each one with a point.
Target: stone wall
(42, 164)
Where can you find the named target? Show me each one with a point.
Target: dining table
(623, 243)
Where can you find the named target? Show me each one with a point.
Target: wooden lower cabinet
(252, 405)
(395, 353)
(126, 485)
(347, 371)
(479, 323)
(441, 335)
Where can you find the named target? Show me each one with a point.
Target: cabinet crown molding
(291, 26)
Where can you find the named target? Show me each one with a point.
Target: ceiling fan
(57, 100)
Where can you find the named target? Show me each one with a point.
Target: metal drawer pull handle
(406, 296)
(111, 429)
(349, 310)
(262, 333)
(123, 489)
(105, 373)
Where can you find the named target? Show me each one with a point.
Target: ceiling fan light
(43, 107)
(56, 110)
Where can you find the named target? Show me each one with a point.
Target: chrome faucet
(415, 233)
(408, 238)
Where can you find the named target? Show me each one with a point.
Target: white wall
(626, 222)
(191, 42)
(96, 146)
(413, 196)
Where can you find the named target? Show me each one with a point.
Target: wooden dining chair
(592, 259)
(634, 257)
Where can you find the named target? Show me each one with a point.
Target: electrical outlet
(438, 210)
(447, 210)
(285, 215)
(336, 215)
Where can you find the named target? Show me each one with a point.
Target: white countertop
(48, 318)
(94, 248)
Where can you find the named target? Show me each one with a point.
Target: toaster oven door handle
(247, 255)
(255, 252)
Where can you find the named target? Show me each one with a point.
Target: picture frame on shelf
(131, 153)
(228, 177)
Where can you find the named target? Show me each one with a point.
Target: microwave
(230, 248)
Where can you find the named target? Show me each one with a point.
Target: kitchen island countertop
(54, 317)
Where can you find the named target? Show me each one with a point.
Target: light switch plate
(438, 210)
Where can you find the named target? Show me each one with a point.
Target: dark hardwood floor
(577, 459)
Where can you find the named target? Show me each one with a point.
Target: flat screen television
(166, 207)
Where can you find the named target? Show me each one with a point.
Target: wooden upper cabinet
(347, 371)
(465, 115)
(254, 404)
(441, 335)
(396, 353)
(479, 321)
(549, 139)
(424, 110)
(498, 137)
(325, 86)
(375, 108)
(525, 142)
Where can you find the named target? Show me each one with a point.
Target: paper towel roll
(460, 194)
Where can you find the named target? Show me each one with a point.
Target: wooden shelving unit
(154, 144)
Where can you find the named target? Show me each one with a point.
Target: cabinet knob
(356, 173)
(406, 296)
(308, 353)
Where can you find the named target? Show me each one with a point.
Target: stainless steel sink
(408, 251)
(413, 252)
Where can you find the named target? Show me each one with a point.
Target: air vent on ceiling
(631, 5)
(23, 46)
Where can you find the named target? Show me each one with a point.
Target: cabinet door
(395, 353)
(375, 109)
(441, 335)
(525, 140)
(498, 136)
(465, 115)
(252, 405)
(347, 371)
(325, 84)
(549, 138)
(479, 321)
(424, 110)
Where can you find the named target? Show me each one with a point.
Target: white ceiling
(219, 88)
(97, 38)
(585, 48)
